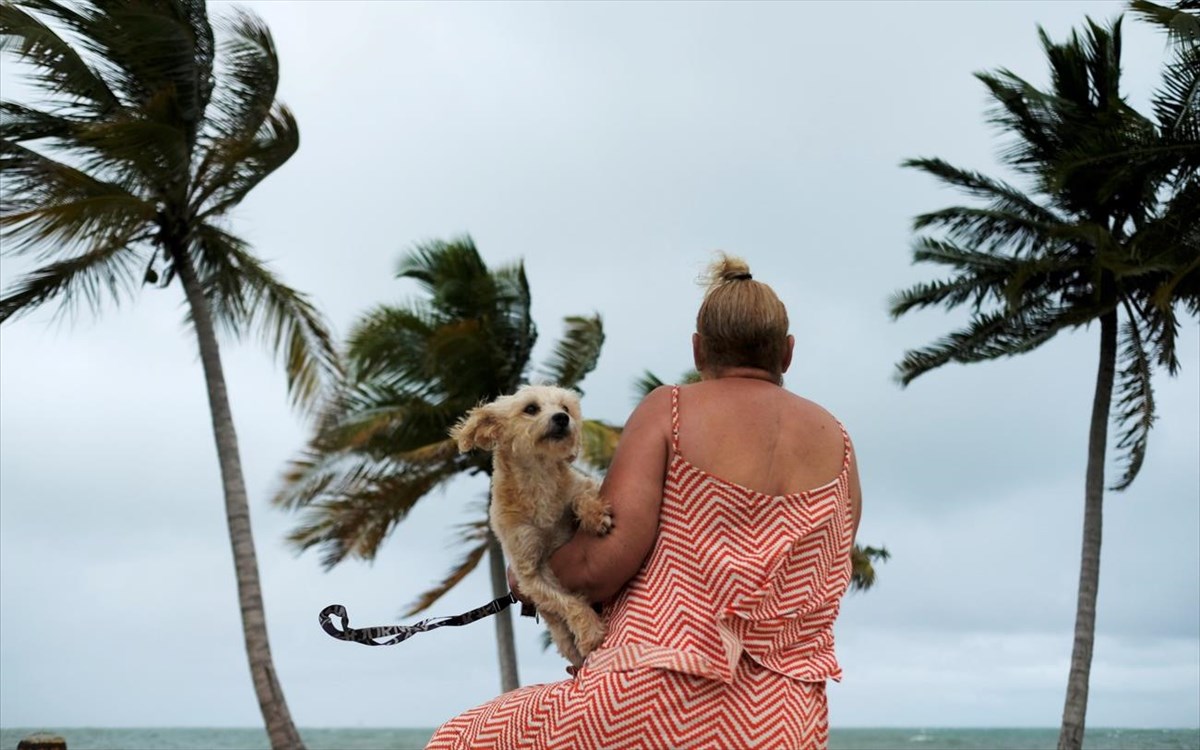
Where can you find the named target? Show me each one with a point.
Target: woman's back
(755, 434)
(743, 566)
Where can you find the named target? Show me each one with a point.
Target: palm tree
(1108, 233)
(127, 171)
(412, 371)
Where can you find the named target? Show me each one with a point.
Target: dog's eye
(532, 409)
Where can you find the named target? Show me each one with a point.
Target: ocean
(414, 739)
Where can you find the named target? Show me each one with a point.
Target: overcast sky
(613, 147)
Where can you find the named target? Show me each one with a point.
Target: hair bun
(727, 268)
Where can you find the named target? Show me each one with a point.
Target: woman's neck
(749, 373)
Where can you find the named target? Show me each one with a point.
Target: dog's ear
(480, 428)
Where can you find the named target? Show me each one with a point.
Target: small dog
(538, 499)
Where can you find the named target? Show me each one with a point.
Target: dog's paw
(605, 523)
(590, 637)
(596, 518)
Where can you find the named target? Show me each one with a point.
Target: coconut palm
(149, 133)
(412, 371)
(1107, 233)
(862, 559)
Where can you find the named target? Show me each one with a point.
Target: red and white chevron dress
(723, 640)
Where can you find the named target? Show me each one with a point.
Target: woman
(735, 506)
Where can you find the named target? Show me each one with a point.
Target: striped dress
(723, 640)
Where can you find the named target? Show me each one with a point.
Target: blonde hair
(742, 323)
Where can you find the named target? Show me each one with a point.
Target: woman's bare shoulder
(811, 408)
(651, 409)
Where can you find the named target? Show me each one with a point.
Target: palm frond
(1134, 401)
(397, 429)
(245, 92)
(147, 48)
(453, 274)
(1028, 114)
(988, 228)
(322, 474)
(400, 428)
(1181, 287)
(1003, 198)
(468, 361)
(989, 264)
(251, 134)
(862, 561)
(329, 472)
(19, 123)
(1140, 161)
(1182, 25)
(645, 384)
(577, 352)
(1169, 247)
(245, 294)
(1176, 102)
(599, 444)
(142, 150)
(55, 207)
(1081, 114)
(356, 522)
(383, 420)
(649, 381)
(236, 164)
(982, 277)
(1163, 324)
(989, 335)
(513, 332)
(484, 343)
(57, 66)
(433, 453)
(355, 444)
(390, 342)
(107, 268)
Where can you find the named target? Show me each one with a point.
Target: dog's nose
(561, 420)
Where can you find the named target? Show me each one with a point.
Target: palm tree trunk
(1075, 709)
(280, 729)
(506, 647)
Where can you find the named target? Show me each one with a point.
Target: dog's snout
(560, 420)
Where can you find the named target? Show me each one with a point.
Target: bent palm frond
(577, 352)
(862, 561)
(107, 267)
(246, 295)
(1134, 402)
(599, 444)
(356, 521)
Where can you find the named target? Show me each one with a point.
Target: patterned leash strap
(396, 633)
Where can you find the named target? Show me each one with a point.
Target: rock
(42, 741)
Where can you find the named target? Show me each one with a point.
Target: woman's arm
(598, 567)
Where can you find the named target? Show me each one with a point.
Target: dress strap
(845, 447)
(675, 420)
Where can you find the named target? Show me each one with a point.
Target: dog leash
(397, 633)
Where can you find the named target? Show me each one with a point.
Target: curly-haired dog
(538, 498)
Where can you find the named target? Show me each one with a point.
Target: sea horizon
(414, 738)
